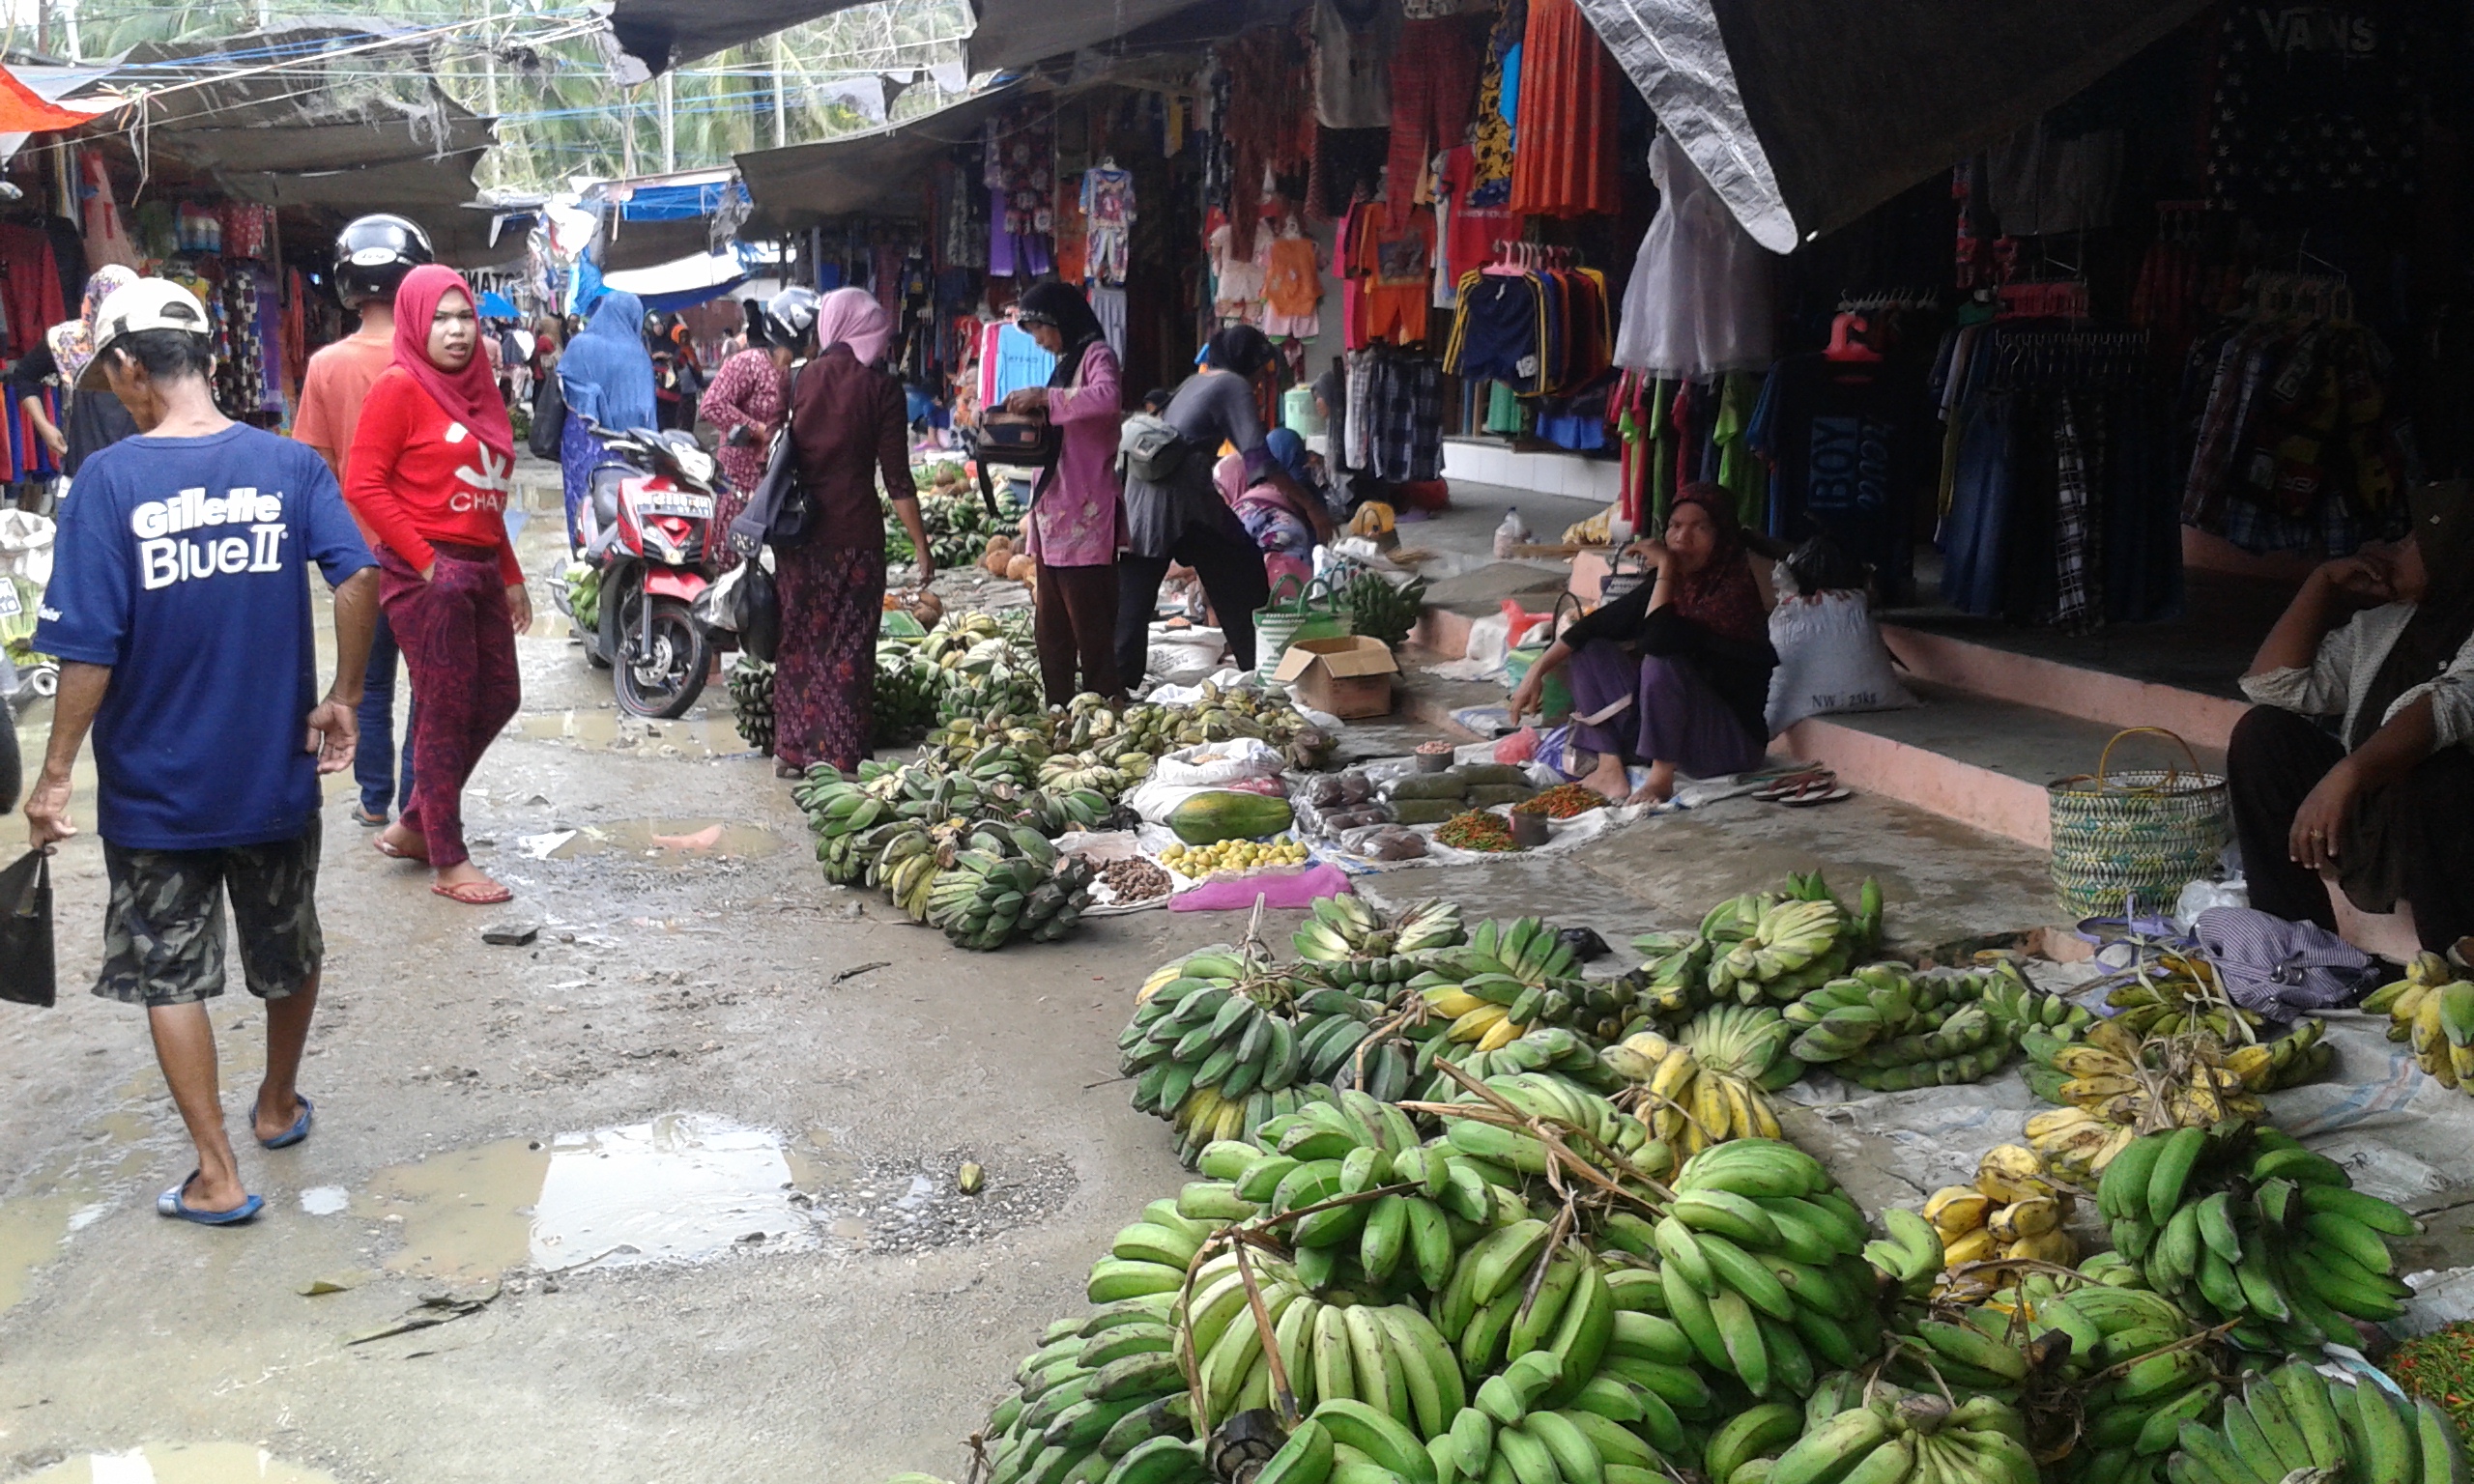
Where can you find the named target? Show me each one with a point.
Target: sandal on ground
(170, 1203)
(298, 1130)
(474, 893)
(1779, 790)
(367, 820)
(395, 852)
(1824, 792)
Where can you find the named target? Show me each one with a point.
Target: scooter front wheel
(662, 660)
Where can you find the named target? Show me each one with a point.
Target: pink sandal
(474, 893)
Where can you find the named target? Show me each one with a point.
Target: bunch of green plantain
(1352, 946)
(1760, 1264)
(1225, 1043)
(2294, 1420)
(989, 894)
(1527, 1423)
(1890, 1029)
(1877, 1433)
(1510, 976)
(2242, 1223)
(750, 683)
(1567, 1055)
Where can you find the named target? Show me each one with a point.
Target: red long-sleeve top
(416, 475)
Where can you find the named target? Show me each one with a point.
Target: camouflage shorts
(163, 931)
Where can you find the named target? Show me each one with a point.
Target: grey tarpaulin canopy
(1805, 114)
(303, 142)
(878, 171)
(662, 34)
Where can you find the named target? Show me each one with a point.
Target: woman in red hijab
(1675, 675)
(430, 471)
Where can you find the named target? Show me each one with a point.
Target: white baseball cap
(149, 304)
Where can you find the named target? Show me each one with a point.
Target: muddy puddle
(711, 736)
(180, 1462)
(681, 1188)
(677, 841)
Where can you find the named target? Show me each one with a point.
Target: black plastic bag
(549, 419)
(25, 931)
(756, 606)
(1585, 943)
(1822, 565)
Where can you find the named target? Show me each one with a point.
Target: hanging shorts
(1498, 329)
(163, 927)
(1396, 314)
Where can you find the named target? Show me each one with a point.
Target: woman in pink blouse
(1077, 510)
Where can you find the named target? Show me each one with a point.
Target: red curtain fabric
(1564, 158)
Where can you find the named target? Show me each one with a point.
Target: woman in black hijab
(1078, 513)
(2384, 808)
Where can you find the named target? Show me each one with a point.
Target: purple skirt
(1673, 717)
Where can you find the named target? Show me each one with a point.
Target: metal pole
(781, 99)
(669, 123)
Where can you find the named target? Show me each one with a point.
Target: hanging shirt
(1698, 305)
(1841, 444)
(183, 564)
(1353, 43)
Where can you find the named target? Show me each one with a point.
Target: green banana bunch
(1353, 947)
(1891, 1030)
(985, 899)
(2245, 1224)
(1673, 978)
(2020, 1007)
(1549, 1048)
(1104, 1387)
(750, 683)
(1222, 1046)
(1618, 1144)
(2293, 1419)
(1910, 1255)
(1516, 1429)
(1760, 1264)
(2175, 1005)
(1514, 975)
(2301, 1055)
(1883, 1434)
(1768, 947)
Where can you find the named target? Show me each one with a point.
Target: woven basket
(1278, 625)
(2134, 835)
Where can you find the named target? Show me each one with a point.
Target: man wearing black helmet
(372, 256)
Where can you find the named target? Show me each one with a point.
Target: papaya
(1225, 814)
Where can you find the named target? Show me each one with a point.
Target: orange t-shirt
(337, 382)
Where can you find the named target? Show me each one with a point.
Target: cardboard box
(1351, 679)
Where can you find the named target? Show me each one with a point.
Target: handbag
(780, 512)
(26, 972)
(1017, 440)
(2281, 970)
(549, 419)
(1150, 448)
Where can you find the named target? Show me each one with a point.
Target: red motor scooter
(647, 533)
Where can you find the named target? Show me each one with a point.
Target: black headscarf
(759, 335)
(2443, 534)
(1063, 305)
(1239, 348)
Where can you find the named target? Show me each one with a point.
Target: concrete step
(2099, 697)
(1978, 758)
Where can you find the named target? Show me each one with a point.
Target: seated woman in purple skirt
(1675, 673)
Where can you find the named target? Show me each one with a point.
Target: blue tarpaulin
(674, 203)
(498, 306)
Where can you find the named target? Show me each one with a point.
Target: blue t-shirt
(180, 563)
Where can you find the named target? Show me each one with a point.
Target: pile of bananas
(2184, 1081)
(1511, 1429)
(2295, 1420)
(2021, 1006)
(750, 683)
(1514, 975)
(2011, 1211)
(1226, 1044)
(1891, 1030)
(2139, 1372)
(984, 899)
(1760, 1264)
(2245, 1224)
(1711, 1082)
(1349, 945)
(954, 516)
(1569, 1056)
(2178, 996)
(904, 704)
(1380, 610)
(2074, 1144)
(1098, 1387)
(1613, 1142)
(2432, 1007)
(1883, 1434)
(1340, 1355)
(1769, 946)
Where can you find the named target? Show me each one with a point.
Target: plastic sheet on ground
(1563, 834)
(1102, 846)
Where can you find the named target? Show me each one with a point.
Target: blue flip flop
(298, 1130)
(170, 1203)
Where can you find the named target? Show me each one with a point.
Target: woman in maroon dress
(849, 423)
(745, 404)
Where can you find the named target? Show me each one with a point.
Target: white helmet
(794, 310)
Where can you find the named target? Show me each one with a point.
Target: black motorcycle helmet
(372, 256)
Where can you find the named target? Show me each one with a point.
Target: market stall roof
(295, 139)
(662, 34)
(879, 170)
(1805, 114)
(683, 283)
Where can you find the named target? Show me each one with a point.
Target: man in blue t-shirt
(179, 606)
